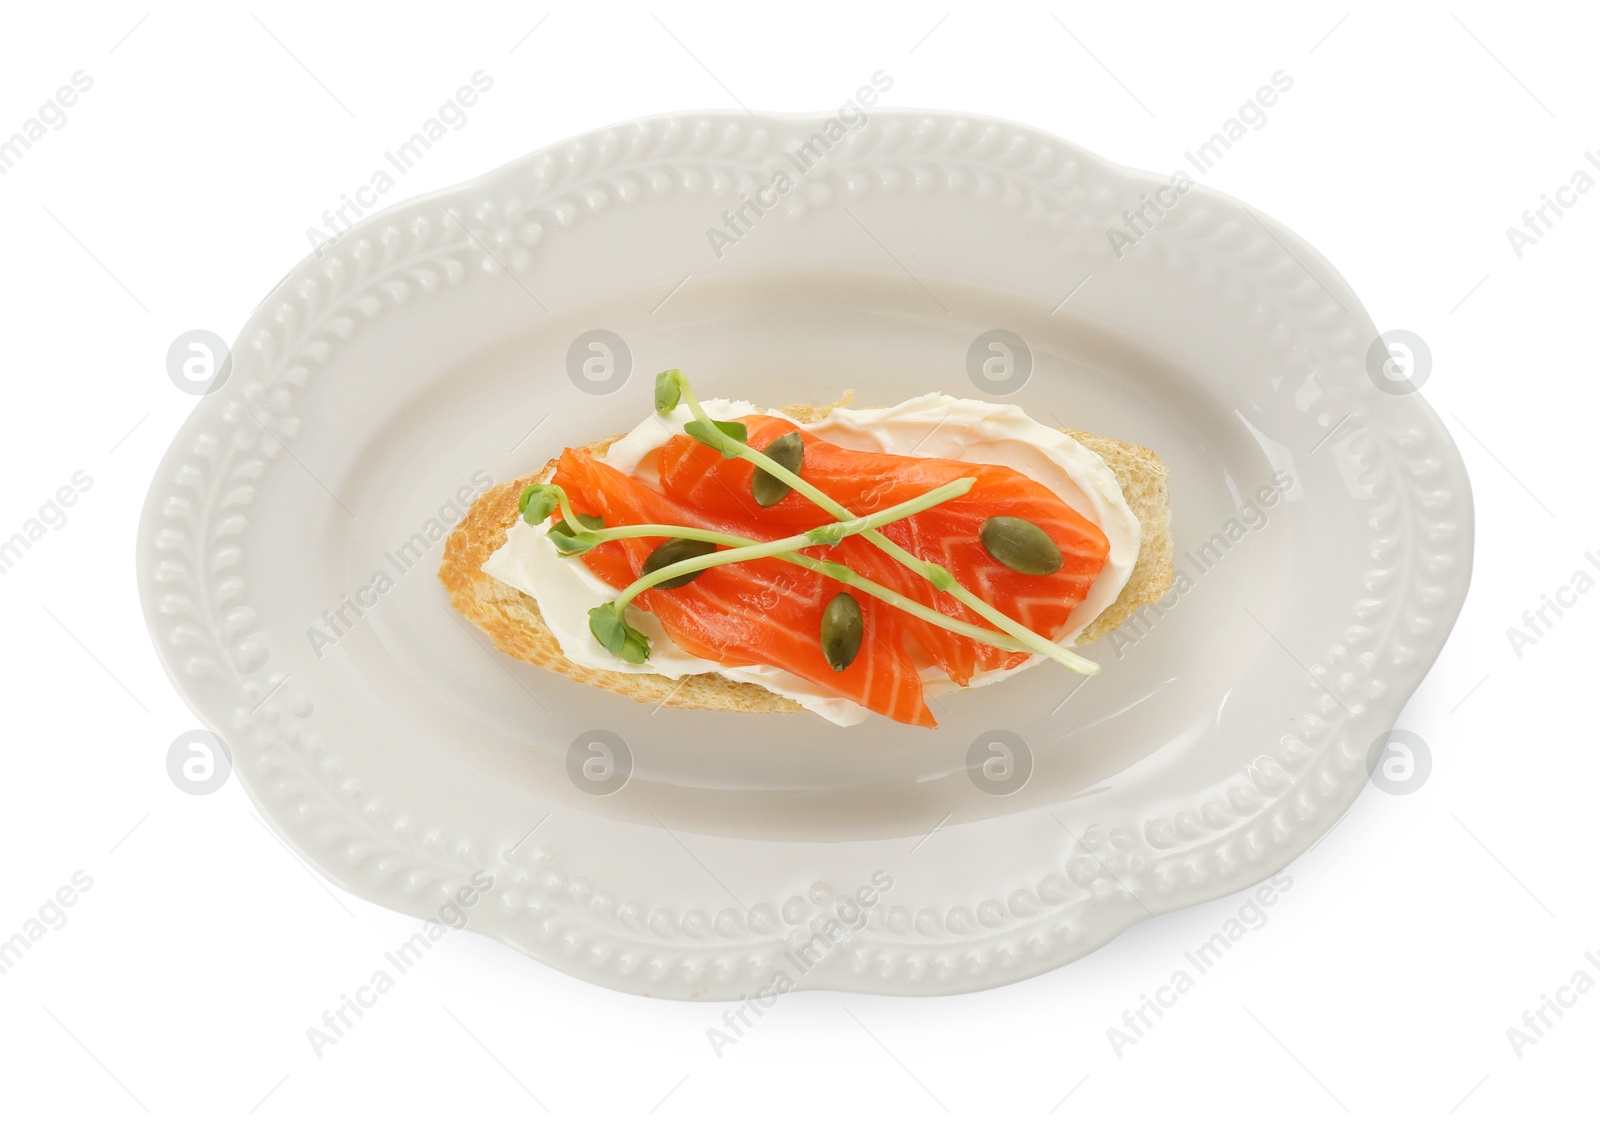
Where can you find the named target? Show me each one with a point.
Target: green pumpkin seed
(788, 451)
(841, 631)
(676, 551)
(1020, 545)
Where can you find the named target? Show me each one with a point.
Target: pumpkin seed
(1020, 545)
(841, 631)
(788, 451)
(676, 551)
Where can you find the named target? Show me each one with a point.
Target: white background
(1383, 982)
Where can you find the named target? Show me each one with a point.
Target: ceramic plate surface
(288, 547)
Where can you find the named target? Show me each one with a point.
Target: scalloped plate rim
(211, 710)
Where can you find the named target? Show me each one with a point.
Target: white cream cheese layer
(932, 425)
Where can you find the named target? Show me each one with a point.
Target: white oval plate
(1323, 530)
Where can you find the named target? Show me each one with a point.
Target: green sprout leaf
(940, 578)
(731, 439)
(668, 389)
(571, 542)
(612, 630)
(538, 502)
(710, 432)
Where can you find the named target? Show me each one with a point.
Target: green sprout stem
(933, 573)
(789, 545)
(836, 571)
(843, 574)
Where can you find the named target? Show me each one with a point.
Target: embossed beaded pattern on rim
(201, 616)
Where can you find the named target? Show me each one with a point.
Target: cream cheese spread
(933, 425)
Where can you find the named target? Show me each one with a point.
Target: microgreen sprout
(575, 540)
(745, 550)
(541, 500)
(612, 630)
(718, 436)
(577, 533)
(667, 390)
(710, 432)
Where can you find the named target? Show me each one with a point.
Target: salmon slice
(719, 488)
(763, 612)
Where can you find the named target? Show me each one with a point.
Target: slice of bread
(512, 620)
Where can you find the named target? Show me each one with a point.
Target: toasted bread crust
(513, 622)
(1144, 486)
